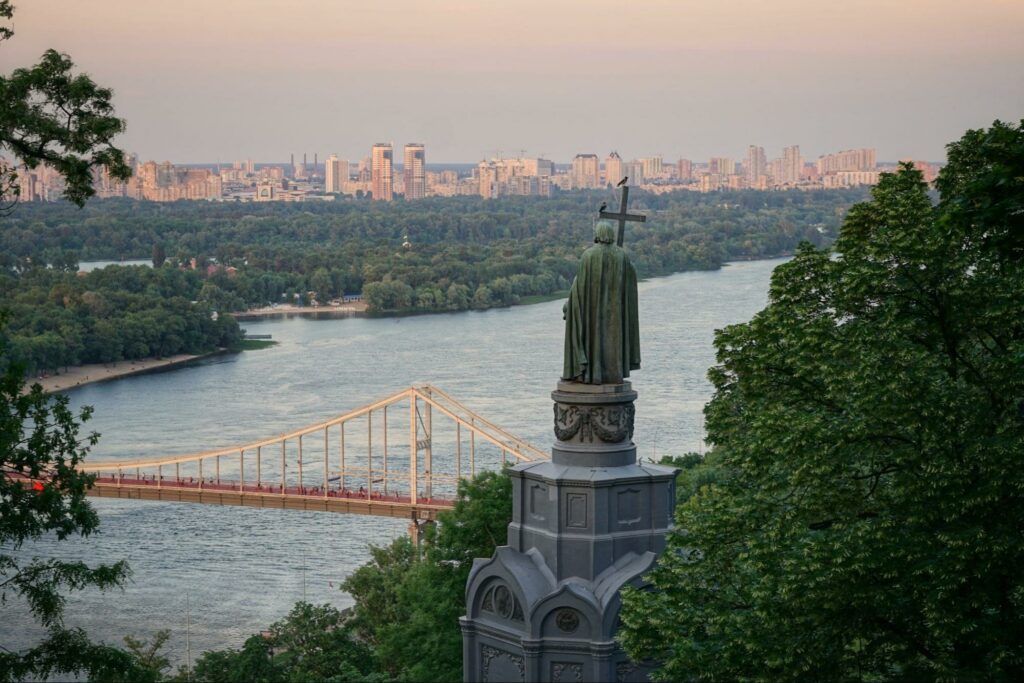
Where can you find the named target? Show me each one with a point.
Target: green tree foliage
(149, 655)
(253, 662)
(49, 115)
(514, 246)
(312, 643)
(408, 603)
(41, 492)
(862, 515)
(115, 313)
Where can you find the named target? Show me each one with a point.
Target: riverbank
(79, 375)
(287, 311)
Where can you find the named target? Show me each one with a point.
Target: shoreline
(359, 309)
(348, 310)
(80, 375)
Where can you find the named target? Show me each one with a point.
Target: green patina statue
(602, 335)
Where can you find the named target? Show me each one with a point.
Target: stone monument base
(584, 525)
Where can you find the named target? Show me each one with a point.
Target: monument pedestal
(584, 525)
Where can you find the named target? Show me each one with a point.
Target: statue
(602, 335)
(590, 521)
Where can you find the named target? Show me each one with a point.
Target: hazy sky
(208, 80)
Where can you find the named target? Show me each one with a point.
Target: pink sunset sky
(201, 81)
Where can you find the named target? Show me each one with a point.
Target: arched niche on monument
(567, 614)
(499, 601)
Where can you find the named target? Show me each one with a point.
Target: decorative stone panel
(576, 511)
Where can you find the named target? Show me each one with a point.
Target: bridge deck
(270, 497)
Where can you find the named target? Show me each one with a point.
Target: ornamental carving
(499, 600)
(611, 424)
(560, 669)
(567, 422)
(489, 653)
(567, 620)
(624, 671)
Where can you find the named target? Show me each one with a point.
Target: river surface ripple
(244, 568)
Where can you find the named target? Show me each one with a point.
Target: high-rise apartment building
(538, 168)
(635, 170)
(415, 171)
(586, 171)
(363, 172)
(380, 171)
(613, 169)
(848, 160)
(652, 166)
(500, 177)
(850, 178)
(487, 173)
(344, 175)
(685, 170)
(332, 175)
(792, 165)
(721, 166)
(756, 165)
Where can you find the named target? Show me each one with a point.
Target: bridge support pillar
(584, 525)
(417, 528)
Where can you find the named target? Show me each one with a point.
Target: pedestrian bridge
(402, 456)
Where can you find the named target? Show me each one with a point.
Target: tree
(41, 492)
(49, 115)
(312, 643)
(863, 519)
(159, 255)
(321, 283)
(254, 663)
(409, 603)
(149, 655)
(458, 297)
(482, 297)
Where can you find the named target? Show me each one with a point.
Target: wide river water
(240, 568)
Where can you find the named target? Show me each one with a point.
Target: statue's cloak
(602, 334)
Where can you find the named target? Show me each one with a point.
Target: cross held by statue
(622, 216)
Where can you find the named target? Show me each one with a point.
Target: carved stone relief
(566, 671)
(567, 620)
(499, 665)
(611, 424)
(624, 671)
(501, 601)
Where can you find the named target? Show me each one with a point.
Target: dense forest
(435, 254)
(56, 318)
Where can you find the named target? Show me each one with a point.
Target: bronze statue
(602, 335)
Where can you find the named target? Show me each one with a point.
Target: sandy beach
(287, 310)
(86, 374)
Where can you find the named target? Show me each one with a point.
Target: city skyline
(677, 79)
(377, 176)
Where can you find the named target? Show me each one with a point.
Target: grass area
(254, 344)
(541, 298)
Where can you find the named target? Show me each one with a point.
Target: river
(241, 569)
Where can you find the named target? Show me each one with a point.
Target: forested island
(437, 254)
(57, 318)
